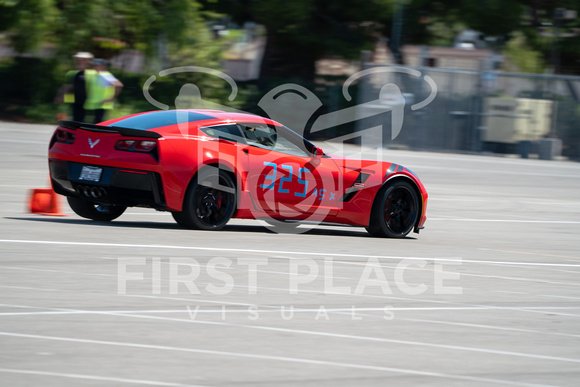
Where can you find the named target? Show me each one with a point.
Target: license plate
(91, 173)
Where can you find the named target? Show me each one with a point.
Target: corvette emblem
(92, 144)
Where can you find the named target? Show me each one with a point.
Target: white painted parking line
(93, 292)
(506, 200)
(347, 310)
(281, 252)
(4, 140)
(503, 172)
(568, 271)
(384, 297)
(93, 377)
(463, 274)
(533, 294)
(277, 309)
(268, 357)
(477, 160)
(390, 297)
(57, 271)
(504, 220)
(327, 334)
(234, 311)
(339, 293)
(491, 327)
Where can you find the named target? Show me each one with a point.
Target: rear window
(161, 118)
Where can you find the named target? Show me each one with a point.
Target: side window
(260, 135)
(272, 138)
(225, 132)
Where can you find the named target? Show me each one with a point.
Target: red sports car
(207, 166)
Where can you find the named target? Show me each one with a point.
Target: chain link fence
(473, 111)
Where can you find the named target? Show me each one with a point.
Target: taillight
(64, 136)
(143, 146)
(124, 145)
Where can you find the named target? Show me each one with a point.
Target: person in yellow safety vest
(103, 88)
(74, 90)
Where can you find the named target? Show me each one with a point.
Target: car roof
(162, 118)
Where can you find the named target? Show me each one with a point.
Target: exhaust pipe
(91, 192)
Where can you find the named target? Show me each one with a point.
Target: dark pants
(78, 112)
(99, 115)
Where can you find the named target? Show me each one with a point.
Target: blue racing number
(282, 180)
(303, 182)
(270, 181)
(270, 177)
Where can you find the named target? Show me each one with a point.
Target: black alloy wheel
(210, 201)
(395, 211)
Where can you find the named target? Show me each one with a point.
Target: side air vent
(361, 178)
(356, 186)
(349, 194)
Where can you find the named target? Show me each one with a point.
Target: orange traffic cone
(44, 201)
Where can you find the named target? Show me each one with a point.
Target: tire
(91, 210)
(210, 201)
(178, 217)
(395, 211)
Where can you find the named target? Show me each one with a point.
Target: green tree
(539, 37)
(439, 21)
(170, 33)
(558, 39)
(522, 56)
(25, 22)
(72, 24)
(300, 32)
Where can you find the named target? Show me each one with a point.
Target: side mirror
(317, 153)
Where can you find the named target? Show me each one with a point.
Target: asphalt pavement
(487, 294)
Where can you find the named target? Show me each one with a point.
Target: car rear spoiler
(74, 125)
